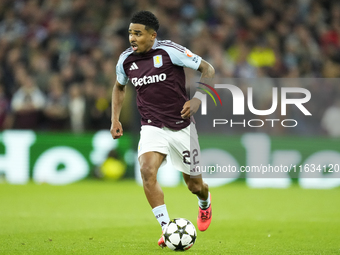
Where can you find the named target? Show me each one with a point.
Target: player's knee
(149, 174)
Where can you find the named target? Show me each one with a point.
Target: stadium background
(60, 56)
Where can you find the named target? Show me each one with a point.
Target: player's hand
(190, 108)
(116, 129)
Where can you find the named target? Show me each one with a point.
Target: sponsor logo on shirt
(148, 79)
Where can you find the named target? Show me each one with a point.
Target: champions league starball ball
(179, 234)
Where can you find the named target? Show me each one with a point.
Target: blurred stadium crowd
(58, 57)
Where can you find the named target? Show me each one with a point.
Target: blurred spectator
(11, 28)
(27, 105)
(331, 120)
(68, 75)
(107, 72)
(99, 109)
(79, 42)
(67, 40)
(56, 110)
(40, 69)
(76, 108)
(13, 69)
(261, 55)
(4, 109)
(242, 68)
(89, 94)
(87, 69)
(331, 38)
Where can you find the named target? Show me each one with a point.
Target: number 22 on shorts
(186, 157)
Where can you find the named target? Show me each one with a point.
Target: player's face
(141, 40)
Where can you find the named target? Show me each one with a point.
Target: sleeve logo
(157, 61)
(189, 53)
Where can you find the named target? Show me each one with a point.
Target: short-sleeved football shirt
(159, 79)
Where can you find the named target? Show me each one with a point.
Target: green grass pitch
(98, 217)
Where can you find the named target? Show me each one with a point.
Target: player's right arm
(118, 95)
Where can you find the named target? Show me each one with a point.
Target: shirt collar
(154, 44)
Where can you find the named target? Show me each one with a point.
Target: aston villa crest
(157, 61)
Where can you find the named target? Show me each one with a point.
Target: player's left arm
(191, 107)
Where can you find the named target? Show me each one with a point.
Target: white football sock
(204, 204)
(161, 214)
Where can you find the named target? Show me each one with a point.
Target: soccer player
(155, 68)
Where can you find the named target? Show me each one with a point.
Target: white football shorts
(181, 145)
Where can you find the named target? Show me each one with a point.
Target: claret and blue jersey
(159, 79)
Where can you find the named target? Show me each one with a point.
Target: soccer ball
(179, 234)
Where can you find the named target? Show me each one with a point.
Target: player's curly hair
(146, 18)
